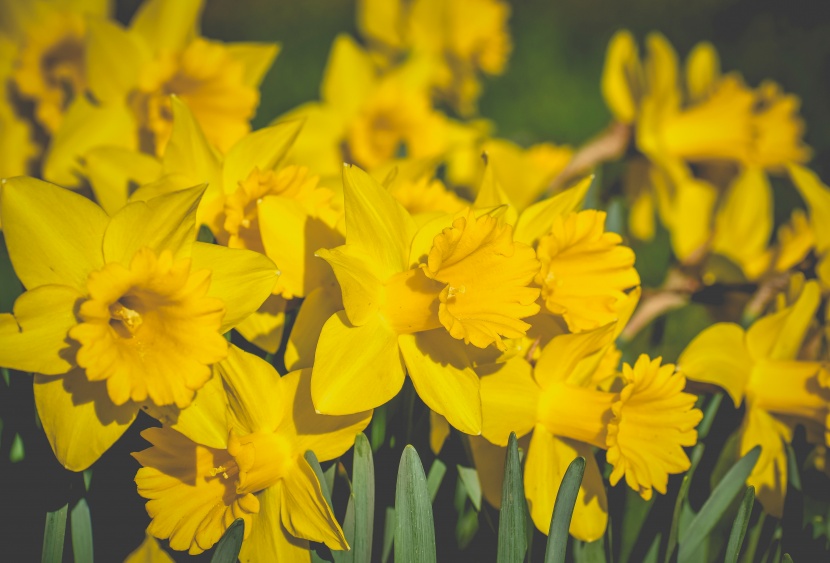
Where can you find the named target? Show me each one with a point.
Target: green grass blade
(736, 536)
(81, 530)
(311, 458)
(414, 527)
(717, 503)
(436, 475)
(53, 535)
(697, 454)
(469, 476)
(513, 512)
(786, 558)
(227, 549)
(388, 533)
(363, 488)
(563, 509)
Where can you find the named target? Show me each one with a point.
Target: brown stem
(609, 145)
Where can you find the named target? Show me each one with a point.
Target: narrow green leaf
(53, 535)
(679, 503)
(87, 479)
(469, 476)
(311, 458)
(227, 549)
(17, 452)
(205, 235)
(414, 527)
(513, 513)
(81, 529)
(348, 530)
(388, 533)
(466, 528)
(636, 512)
(328, 475)
(709, 416)
(377, 429)
(717, 503)
(786, 558)
(736, 536)
(589, 552)
(436, 475)
(563, 508)
(363, 489)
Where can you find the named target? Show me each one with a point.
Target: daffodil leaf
(53, 535)
(81, 530)
(636, 512)
(311, 458)
(736, 536)
(680, 502)
(378, 427)
(715, 506)
(786, 558)
(227, 550)
(513, 517)
(414, 526)
(434, 478)
(466, 527)
(589, 552)
(469, 477)
(388, 533)
(363, 501)
(563, 509)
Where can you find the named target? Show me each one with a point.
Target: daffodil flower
(121, 312)
(410, 300)
(817, 196)
(761, 368)
(256, 472)
(643, 427)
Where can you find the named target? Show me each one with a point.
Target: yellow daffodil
(120, 312)
(761, 368)
(246, 461)
(404, 292)
(817, 196)
(458, 37)
(643, 427)
(132, 72)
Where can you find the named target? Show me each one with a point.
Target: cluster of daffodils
(171, 258)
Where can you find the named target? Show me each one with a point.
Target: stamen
(453, 291)
(128, 317)
(219, 470)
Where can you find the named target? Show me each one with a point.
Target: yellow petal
(622, 77)
(439, 431)
(304, 510)
(79, 419)
(263, 149)
(256, 393)
(536, 220)
(327, 436)
(719, 356)
(661, 67)
(702, 70)
(508, 400)
(189, 154)
(349, 76)
(379, 20)
(360, 285)
(316, 309)
(547, 459)
(256, 59)
(167, 222)
(376, 223)
(489, 461)
(112, 171)
(264, 327)
(443, 378)
(817, 196)
(769, 476)
(150, 551)
(167, 26)
(691, 212)
(53, 235)
(268, 539)
(113, 60)
(243, 279)
(355, 368)
(779, 336)
(572, 357)
(34, 338)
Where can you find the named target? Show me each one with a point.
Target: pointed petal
(536, 220)
(189, 154)
(817, 196)
(79, 419)
(509, 396)
(114, 58)
(150, 551)
(376, 223)
(567, 357)
(113, 170)
(268, 539)
(315, 310)
(53, 235)
(359, 280)
(256, 394)
(621, 77)
(719, 356)
(439, 431)
(264, 327)
(355, 368)
(769, 476)
(547, 459)
(167, 26)
(380, 20)
(349, 76)
(263, 149)
(779, 336)
(35, 339)
(304, 510)
(702, 70)
(243, 279)
(327, 436)
(443, 378)
(167, 222)
(256, 59)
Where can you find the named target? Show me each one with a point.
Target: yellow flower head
(244, 459)
(585, 270)
(120, 312)
(644, 426)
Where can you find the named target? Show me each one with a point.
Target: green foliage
(513, 518)
(53, 535)
(81, 529)
(414, 528)
(227, 550)
(563, 510)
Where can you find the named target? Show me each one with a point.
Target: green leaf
(466, 528)
(563, 508)
(697, 454)
(81, 529)
(436, 475)
(513, 513)
(363, 492)
(709, 416)
(17, 452)
(786, 558)
(469, 476)
(388, 533)
(311, 458)
(53, 535)
(736, 536)
(636, 512)
(377, 429)
(414, 528)
(227, 550)
(589, 552)
(717, 503)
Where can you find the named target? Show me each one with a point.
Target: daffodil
(458, 37)
(132, 72)
(119, 313)
(817, 196)
(411, 302)
(761, 367)
(643, 427)
(247, 461)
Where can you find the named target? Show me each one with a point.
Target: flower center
(261, 458)
(150, 330)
